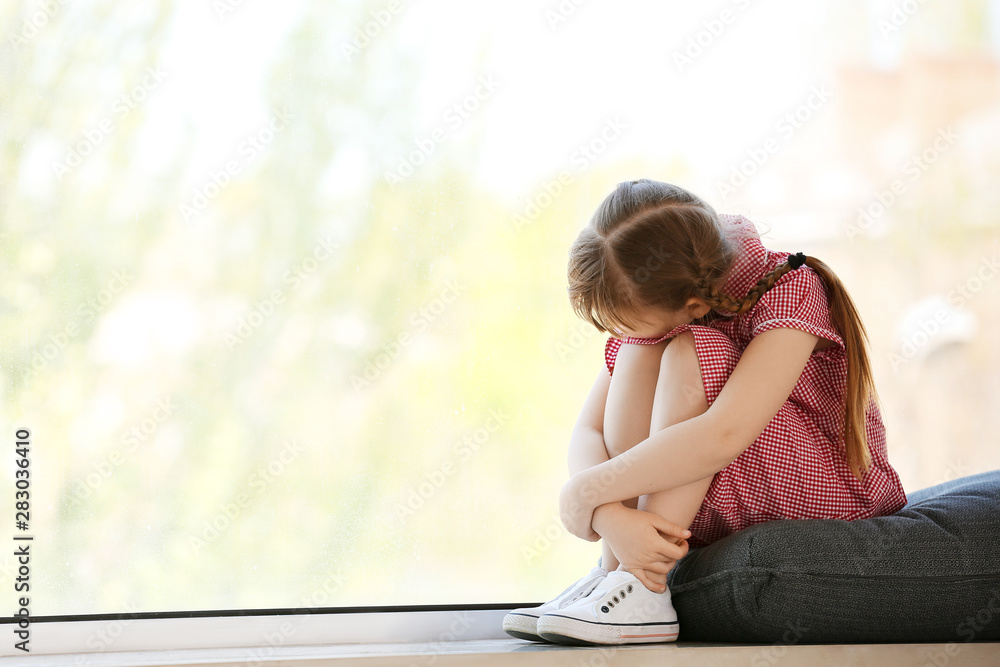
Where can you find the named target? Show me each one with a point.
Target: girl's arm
(588, 449)
(699, 447)
(586, 443)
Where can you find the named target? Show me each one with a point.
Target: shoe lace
(582, 592)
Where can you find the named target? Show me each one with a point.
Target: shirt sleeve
(797, 301)
(611, 353)
(614, 344)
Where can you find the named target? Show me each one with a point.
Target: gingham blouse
(795, 469)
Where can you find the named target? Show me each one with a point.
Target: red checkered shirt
(795, 469)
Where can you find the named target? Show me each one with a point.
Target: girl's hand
(646, 544)
(575, 511)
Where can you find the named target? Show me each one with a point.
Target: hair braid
(860, 391)
(711, 295)
(655, 244)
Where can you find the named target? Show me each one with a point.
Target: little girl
(736, 389)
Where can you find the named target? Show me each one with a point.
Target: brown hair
(653, 244)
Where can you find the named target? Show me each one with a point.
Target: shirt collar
(753, 260)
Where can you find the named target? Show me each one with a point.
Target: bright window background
(284, 304)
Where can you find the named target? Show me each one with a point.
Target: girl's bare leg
(629, 409)
(680, 395)
(677, 394)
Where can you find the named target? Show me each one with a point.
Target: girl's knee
(639, 358)
(683, 387)
(680, 351)
(685, 340)
(680, 369)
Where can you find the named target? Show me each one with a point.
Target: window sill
(489, 652)
(417, 639)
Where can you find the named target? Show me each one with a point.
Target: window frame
(263, 629)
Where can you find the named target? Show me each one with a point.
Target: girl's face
(657, 321)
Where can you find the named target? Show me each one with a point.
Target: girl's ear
(697, 308)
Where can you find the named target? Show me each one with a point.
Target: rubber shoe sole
(522, 626)
(575, 632)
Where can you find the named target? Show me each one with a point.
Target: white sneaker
(521, 623)
(620, 610)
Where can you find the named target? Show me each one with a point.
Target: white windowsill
(511, 651)
(419, 639)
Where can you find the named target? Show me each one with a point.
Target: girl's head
(654, 256)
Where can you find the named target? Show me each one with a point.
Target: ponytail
(860, 392)
(656, 244)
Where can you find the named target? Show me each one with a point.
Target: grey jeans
(930, 572)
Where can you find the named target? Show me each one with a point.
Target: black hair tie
(796, 260)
